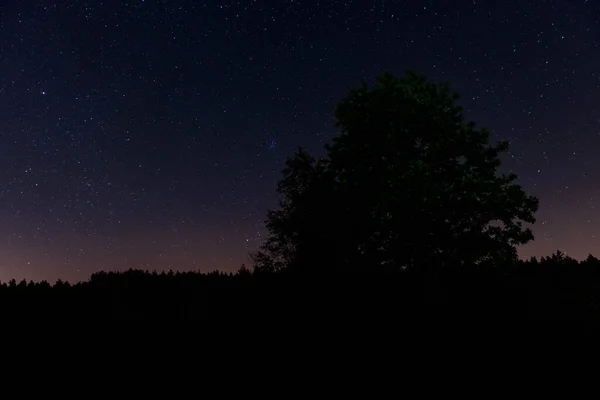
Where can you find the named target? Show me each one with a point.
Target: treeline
(555, 287)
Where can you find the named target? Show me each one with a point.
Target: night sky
(151, 134)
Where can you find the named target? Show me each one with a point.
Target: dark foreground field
(554, 290)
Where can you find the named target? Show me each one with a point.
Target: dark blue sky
(152, 133)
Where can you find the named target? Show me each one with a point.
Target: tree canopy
(406, 183)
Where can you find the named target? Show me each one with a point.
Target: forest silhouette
(408, 212)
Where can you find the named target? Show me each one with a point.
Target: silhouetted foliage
(558, 287)
(407, 182)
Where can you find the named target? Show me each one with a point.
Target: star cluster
(151, 134)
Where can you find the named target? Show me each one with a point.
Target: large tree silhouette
(406, 183)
